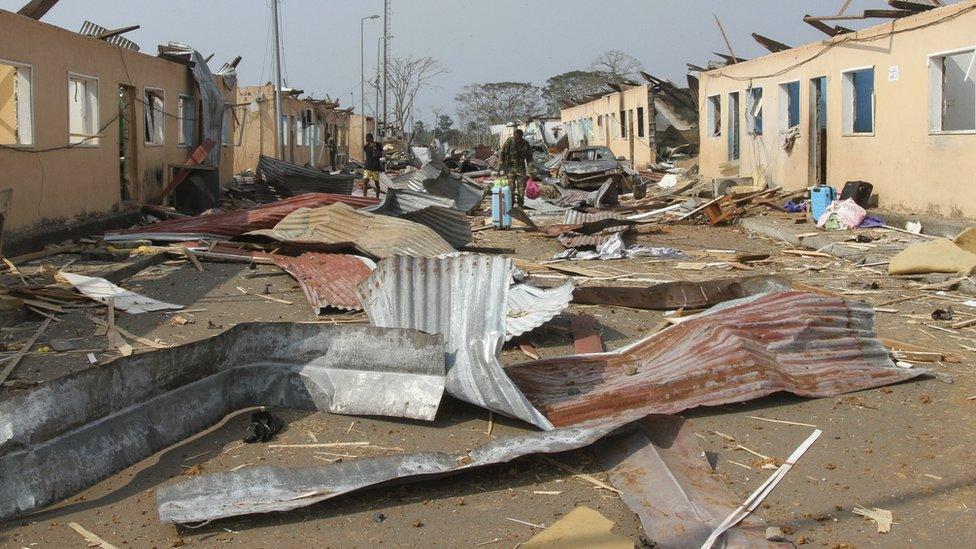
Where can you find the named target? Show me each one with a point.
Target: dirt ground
(901, 448)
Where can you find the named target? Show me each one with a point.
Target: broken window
(789, 100)
(82, 110)
(284, 129)
(188, 120)
(155, 124)
(859, 101)
(623, 123)
(953, 92)
(599, 121)
(714, 106)
(227, 127)
(640, 121)
(754, 111)
(299, 130)
(16, 114)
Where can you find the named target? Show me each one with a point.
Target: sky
(475, 40)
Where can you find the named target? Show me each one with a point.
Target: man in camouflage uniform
(516, 153)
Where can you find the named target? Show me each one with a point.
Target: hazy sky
(476, 40)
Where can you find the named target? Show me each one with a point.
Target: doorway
(818, 130)
(733, 143)
(128, 165)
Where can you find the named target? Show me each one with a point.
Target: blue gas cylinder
(820, 198)
(501, 204)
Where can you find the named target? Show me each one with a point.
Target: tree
(618, 65)
(444, 124)
(572, 85)
(500, 102)
(409, 75)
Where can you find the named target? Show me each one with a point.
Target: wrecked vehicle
(589, 167)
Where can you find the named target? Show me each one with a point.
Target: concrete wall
(63, 184)
(258, 136)
(912, 168)
(603, 116)
(356, 143)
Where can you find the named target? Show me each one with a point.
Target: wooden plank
(41, 254)
(93, 540)
(9, 368)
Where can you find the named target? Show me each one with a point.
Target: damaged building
(893, 105)
(88, 123)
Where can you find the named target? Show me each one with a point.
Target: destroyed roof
(95, 31)
(806, 344)
(226, 225)
(339, 226)
(435, 212)
(328, 280)
(299, 179)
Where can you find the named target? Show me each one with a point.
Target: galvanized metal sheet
(339, 226)
(435, 212)
(464, 297)
(139, 403)
(543, 206)
(467, 196)
(681, 294)
(328, 280)
(806, 344)
(660, 472)
(265, 489)
(228, 225)
(299, 179)
(530, 307)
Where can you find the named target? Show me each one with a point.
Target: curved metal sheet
(328, 280)
(299, 179)
(435, 212)
(530, 307)
(110, 417)
(465, 297)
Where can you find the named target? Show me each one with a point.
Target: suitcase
(860, 191)
(820, 198)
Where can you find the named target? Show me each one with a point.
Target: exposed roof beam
(770, 44)
(729, 59)
(911, 6)
(115, 32)
(35, 9)
(868, 14)
(725, 38)
(821, 26)
(694, 67)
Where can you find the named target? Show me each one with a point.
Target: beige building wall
(356, 122)
(599, 122)
(53, 183)
(912, 168)
(301, 146)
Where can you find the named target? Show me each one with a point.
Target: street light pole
(362, 75)
(277, 94)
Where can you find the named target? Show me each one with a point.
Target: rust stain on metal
(680, 294)
(328, 280)
(805, 344)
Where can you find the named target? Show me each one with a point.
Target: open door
(818, 131)
(128, 165)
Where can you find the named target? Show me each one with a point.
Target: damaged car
(587, 168)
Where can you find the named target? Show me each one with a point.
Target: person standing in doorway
(373, 154)
(515, 156)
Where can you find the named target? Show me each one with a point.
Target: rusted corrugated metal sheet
(683, 293)
(464, 297)
(232, 224)
(328, 280)
(297, 179)
(339, 226)
(802, 343)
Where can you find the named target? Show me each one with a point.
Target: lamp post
(362, 74)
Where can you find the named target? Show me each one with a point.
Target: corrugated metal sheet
(435, 212)
(328, 280)
(265, 489)
(679, 294)
(543, 206)
(226, 225)
(530, 307)
(110, 417)
(93, 29)
(574, 217)
(466, 196)
(464, 297)
(601, 198)
(573, 239)
(299, 179)
(339, 226)
(806, 344)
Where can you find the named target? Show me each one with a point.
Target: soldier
(515, 156)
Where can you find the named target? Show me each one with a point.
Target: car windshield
(597, 153)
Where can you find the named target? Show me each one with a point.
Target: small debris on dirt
(264, 427)
(942, 314)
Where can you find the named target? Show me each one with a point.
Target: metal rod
(386, 59)
(726, 38)
(277, 94)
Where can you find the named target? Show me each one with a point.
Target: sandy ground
(902, 448)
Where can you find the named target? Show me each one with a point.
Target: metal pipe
(386, 58)
(362, 76)
(277, 94)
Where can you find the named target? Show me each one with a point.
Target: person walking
(372, 153)
(515, 157)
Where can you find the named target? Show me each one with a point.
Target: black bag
(860, 191)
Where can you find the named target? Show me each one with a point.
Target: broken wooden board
(582, 528)
(585, 338)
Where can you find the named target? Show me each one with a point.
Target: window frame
(623, 124)
(784, 109)
(641, 126)
(849, 102)
(33, 126)
(96, 140)
(750, 103)
(713, 114)
(180, 97)
(935, 103)
(162, 114)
